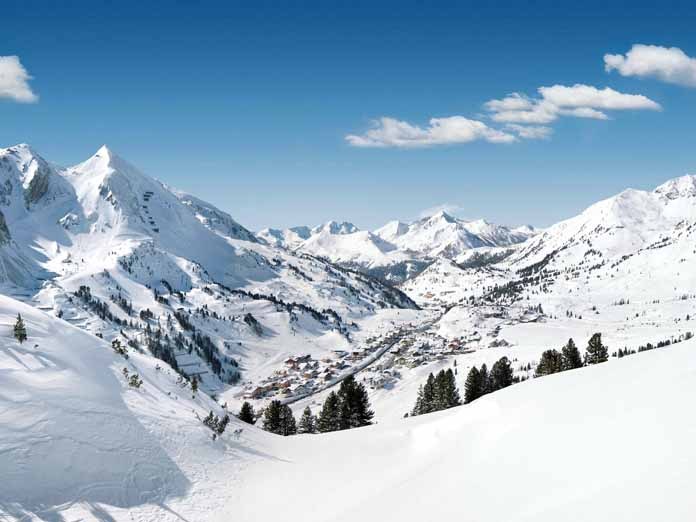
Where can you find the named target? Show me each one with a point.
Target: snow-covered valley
(113, 270)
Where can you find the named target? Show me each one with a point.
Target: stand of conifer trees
(349, 408)
(278, 419)
(479, 382)
(438, 393)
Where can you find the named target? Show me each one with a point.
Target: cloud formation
(669, 64)
(448, 208)
(14, 80)
(530, 132)
(579, 101)
(390, 132)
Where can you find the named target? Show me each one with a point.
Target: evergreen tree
(428, 405)
(451, 392)
(278, 419)
(287, 421)
(20, 331)
(473, 387)
(596, 351)
(271, 417)
(354, 410)
(329, 417)
(194, 384)
(485, 380)
(418, 407)
(571, 356)
(440, 400)
(551, 362)
(246, 413)
(501, 374)
(222, 424)
(308, 423)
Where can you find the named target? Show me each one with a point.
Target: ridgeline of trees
(438, 393)
(343, 410)
(347, 409)
(479, 382)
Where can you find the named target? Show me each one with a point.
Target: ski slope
(603, 443)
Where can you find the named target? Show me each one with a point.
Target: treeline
(649, 346)
(438, 393)
(480, 382)
(343, 410)
(569, 358)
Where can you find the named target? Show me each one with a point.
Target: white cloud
(584, 112)
(13, 80)
(580, 95)
(669, 64)
(539, 112)
(579, 101)
(390, 132)
(448, 208)
(530, 132)
(512, 102)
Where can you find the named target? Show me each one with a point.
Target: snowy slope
(604, 443)
(118, 253)
(608, 442)
(68, 431)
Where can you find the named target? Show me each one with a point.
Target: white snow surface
(613, 441)
(77, 443)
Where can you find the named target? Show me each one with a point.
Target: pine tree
(329, 417)
(246, 413)
(354, 410)
(418, 407)
(278, 419)
(551, 362)
(20, 331)
(501, 374)
(194, 384)
(222, 424)
(473, 387)
(596, 351)
(451, 392)
(210, 420)
(287, 421)
(271, 417)
(485, 380)
(308, 423)
(428, 405)
(571, 356)
(440, 399)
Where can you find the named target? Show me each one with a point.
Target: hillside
(82, 444)
(122, 255)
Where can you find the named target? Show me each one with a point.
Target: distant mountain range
(396, 251)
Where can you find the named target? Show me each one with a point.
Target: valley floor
(607, 442)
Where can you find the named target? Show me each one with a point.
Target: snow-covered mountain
(104, 262)
(632, 245)
(442, 235)
(397, 251)
(109, 248)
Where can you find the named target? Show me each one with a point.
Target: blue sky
(250, 105)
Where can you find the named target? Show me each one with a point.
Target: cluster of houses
(302, 374)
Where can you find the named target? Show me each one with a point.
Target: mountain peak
(336, 228)
(683, 186)
(104, 151)
(442, 214)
